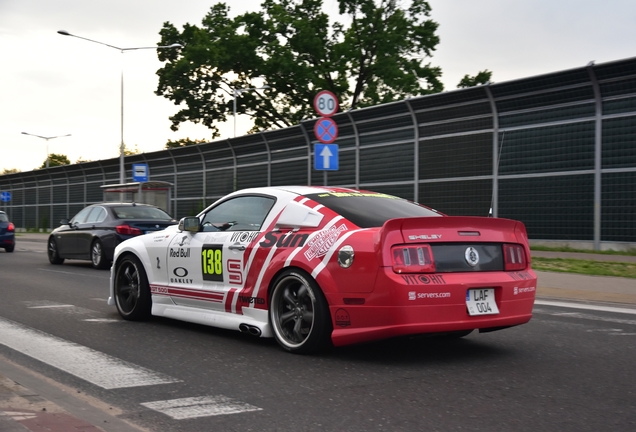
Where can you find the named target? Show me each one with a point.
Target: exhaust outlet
(252, 330)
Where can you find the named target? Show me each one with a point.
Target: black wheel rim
(293, 311)
(96, 253)
(127, 286)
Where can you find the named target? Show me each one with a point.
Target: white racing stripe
(90, 365)
(203, 406)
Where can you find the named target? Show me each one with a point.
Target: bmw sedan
(95, 231)
(7, 233)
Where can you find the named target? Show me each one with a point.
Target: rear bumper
(7, 240)
(401, 306)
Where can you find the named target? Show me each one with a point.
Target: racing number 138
(212, 263)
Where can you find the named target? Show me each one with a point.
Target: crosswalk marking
(93, 366)
(202, 406)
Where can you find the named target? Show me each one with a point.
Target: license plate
(481, 301)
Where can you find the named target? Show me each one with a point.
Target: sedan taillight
(11, 227)
(412, 259)
(514, 257)
(127, 230)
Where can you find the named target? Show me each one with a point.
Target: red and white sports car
(312, 266)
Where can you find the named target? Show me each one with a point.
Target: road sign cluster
(326, 131)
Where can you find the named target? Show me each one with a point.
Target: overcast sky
(57, 85)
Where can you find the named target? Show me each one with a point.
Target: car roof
(299, 190)
(122, 204)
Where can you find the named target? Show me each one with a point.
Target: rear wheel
(51, 250)
(10, 248)
(299, 313)
(132, 294)
(97, 255)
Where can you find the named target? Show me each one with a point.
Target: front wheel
(299, 313)
(51, 250)
(132, 293)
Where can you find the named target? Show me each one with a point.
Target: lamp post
(47, 143)
(237, 92)
(122, 172)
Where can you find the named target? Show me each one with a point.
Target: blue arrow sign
(5, 196)
(326, 157)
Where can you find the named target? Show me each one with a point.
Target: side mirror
(190, 224)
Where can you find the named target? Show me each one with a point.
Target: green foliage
(183, 142)
(11, 171)
(131, 152)
(482, 77)
(56, 160)
(291, 46)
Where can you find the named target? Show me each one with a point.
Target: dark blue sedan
(7, 233)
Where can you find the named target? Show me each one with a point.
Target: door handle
(237, 247)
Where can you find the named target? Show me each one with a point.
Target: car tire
(10, 248)
(299, 313)
(132, 293)
(52, 252)
(97, 255)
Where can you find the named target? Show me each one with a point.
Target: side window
(82, 215)
(97, 215)
(245, 213)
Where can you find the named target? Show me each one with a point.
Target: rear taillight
(11, 227)
(514, 257)
(127, 230)
(412, 259)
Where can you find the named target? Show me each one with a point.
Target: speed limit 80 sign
(326, 103)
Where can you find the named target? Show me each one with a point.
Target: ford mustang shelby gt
(313, 266)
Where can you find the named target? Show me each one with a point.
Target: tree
(183, 142)
(131, 152)
(291, 46)
(482, 77)
(11, 170)
(56, 160)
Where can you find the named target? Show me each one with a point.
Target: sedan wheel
(299, 313)
(97, 255)
(51, 250)
(132, 294)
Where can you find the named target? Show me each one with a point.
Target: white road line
(202, 406)
(586, 307)
(50, 306)
(90, 365)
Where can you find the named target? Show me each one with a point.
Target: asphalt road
(569, 369)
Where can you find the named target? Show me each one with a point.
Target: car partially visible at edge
(7, 233)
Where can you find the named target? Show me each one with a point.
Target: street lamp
(122, 172)
(237, 92)
(47, 143)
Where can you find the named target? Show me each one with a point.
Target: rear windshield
(370, 209)
(140, 212)
(3, 217)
